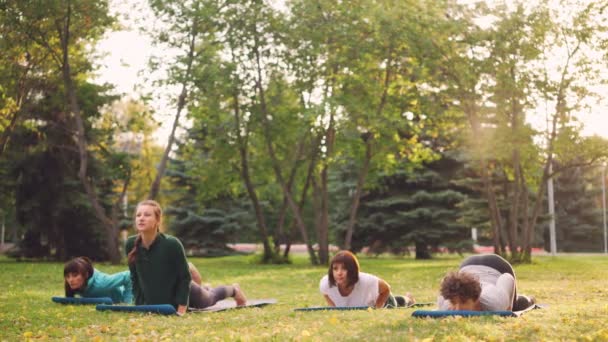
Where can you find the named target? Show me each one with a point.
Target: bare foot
(239, 296)
(410, 299)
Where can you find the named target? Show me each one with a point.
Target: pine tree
(419, 207)
(578, 218)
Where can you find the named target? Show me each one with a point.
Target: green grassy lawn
(574, 287)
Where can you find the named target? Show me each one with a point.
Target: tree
(182, 26)
(61, 28)
(496, 78)
(578, 216)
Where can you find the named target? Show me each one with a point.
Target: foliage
(49, 199)
(578, 216)
(421, 207)
(204, 226)
(562, 282)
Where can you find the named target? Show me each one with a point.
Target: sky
(127, 51)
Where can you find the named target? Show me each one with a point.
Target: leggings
(203, 296)
(501, 265)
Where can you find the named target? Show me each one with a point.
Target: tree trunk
(352, 219)
(110, 227)
(323, 226)
(243, 152)
(514, 210)
(495, 216)
(368, 138)
(181, 103)
(280, 235)
(271, 152)
(309, 179)
(422, 251)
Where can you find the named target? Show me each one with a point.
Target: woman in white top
(344, 285)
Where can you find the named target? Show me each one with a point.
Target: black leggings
(498, 263)
(203, 296)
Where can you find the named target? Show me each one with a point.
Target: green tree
(498, 77)
(62, 29)
(578, 218)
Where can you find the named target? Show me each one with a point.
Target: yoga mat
(163, 309)
(346, 308)
(82, 300)
(416, 305)
(230, 304)
(461, 313)
(467, 313)
(329, 308)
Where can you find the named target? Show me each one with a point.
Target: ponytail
(132, 256)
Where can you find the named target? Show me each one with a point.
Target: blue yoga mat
(462, 313)
(328, 308)
(163, 309)
(466, 313)
(346, 308)
(82, 300)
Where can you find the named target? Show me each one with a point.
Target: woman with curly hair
(483, 283)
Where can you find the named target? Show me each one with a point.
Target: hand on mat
(181, 310)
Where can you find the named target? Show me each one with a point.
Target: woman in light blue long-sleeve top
(84, 280)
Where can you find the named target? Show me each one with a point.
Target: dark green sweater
(160, 274)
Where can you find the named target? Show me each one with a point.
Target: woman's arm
(384, 290)
(329, 301)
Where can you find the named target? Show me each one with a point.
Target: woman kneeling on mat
(483, 283)
(202, 296)
(158, 265)
(345, 286)
(84, 280)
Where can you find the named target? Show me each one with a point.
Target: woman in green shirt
(158, 265)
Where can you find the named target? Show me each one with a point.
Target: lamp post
(604, 206)
(552, 238)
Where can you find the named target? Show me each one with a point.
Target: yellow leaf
(28, 334)
(305, 333)
(333, 320)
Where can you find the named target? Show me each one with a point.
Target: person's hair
(350, 262)
(158, 214)
(460, 285)
(79, 265)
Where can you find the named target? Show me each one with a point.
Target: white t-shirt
(497, 289)
(365, 292)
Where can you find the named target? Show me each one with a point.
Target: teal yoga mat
(82, 300)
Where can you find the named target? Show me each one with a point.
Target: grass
(574, 287)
